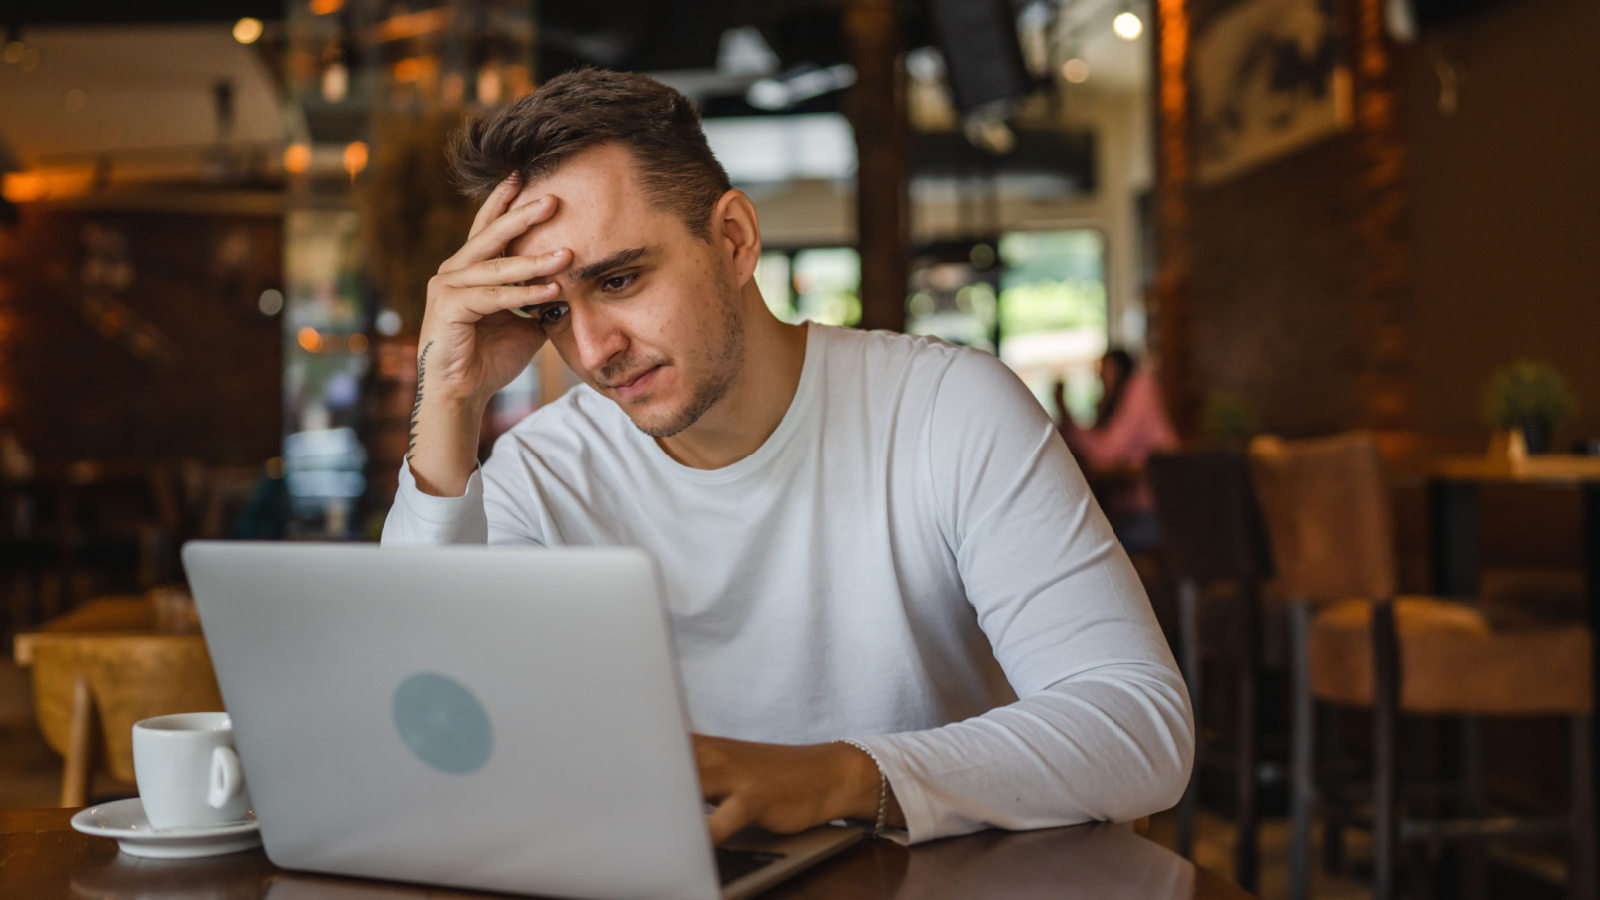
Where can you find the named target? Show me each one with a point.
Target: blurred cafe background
(1312, 287)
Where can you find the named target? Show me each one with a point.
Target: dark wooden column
(1169, 301)
(878, 114)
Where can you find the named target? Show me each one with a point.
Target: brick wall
(137, 335)
(1289, 283)
(1375, 279)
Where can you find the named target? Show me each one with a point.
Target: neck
(758, 398)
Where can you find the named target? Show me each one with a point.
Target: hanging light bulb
(1127, 25)
(1075, 70)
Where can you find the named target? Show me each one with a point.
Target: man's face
(647, 314)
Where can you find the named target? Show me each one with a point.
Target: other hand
(786, 788)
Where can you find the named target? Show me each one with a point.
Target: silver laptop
(492, 718)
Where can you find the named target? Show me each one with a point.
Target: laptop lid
(479, 717)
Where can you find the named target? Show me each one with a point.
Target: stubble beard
(723, 361)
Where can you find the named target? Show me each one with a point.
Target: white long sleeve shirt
(908, 554)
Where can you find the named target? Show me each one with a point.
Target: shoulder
(889, 350)
(878, 358)
(975, 387)
(948, 379)
(883, 347)
(959, 394)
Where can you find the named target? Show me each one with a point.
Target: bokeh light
(271, 302)
(355, 157)
(248, 30)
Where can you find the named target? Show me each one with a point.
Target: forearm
(1112, 744)
(443, 448)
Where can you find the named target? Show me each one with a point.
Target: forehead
(601, 208)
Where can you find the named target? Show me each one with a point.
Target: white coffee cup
(188, 773)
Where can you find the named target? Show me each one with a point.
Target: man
(864, 537)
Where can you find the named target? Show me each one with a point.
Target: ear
(736, 232)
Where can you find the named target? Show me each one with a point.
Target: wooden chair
(90, 687)
(1355, 643)
(1212, 532)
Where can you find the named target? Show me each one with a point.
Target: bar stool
(1212, 531)
(1355, 643)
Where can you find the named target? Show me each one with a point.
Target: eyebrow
(595, 270)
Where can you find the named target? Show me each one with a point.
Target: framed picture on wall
(1269, 79)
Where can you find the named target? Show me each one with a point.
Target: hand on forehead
(599, 209)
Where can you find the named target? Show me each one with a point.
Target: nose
(597, 337)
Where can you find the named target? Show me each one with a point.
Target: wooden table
(1453, 512)
(40, 856)
(1454, 540)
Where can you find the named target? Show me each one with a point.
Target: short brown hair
(584, 108)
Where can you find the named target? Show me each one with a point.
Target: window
(1040, 301)
(1053, 313)
(953, 295)
(827, 285)
(772, 278)
(822, 284)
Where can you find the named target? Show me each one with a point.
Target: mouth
(637, 385)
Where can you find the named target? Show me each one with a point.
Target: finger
(510, 269)
(497, 203)
(728, 818)
(478, 302)
(492, 240)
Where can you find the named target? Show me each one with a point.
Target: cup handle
(227, 778)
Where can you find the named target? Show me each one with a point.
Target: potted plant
(1530, 397)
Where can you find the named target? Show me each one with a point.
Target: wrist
(452, 410)
(443, 450)
(862, 783)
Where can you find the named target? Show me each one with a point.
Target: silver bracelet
(883, 786)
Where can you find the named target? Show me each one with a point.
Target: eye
(550, 315)
(619, 282)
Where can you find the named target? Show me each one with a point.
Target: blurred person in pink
(1130, 423)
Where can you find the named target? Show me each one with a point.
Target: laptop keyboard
(735, 864)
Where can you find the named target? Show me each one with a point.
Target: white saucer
(124, 820)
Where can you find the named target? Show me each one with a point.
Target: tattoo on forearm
(416, 408)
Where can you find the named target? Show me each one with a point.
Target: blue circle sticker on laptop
(443, 723)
